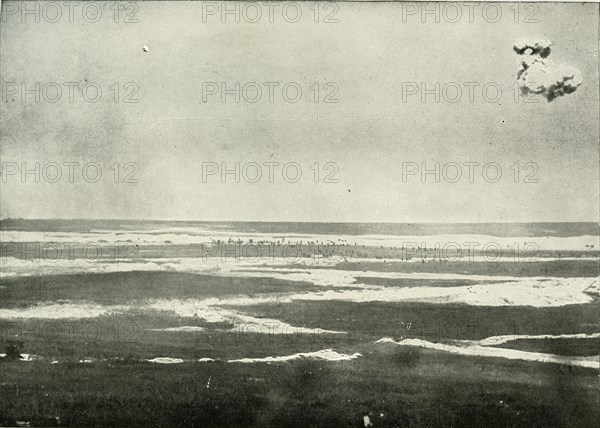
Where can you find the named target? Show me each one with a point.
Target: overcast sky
(369, 133)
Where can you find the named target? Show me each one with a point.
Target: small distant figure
(146, 48)
(367, 421)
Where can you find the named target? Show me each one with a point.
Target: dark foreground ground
(402, 388)
(395, 386)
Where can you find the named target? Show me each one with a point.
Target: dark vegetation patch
(419, 282)
(430, 321)
(120, 287)
(559, 268)
(563, 346)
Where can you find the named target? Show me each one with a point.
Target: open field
(92, 371)
(172, 334)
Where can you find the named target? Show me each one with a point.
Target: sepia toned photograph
(299, 214)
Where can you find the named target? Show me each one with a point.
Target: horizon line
(292, 221)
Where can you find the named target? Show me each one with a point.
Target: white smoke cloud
(539, 75)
